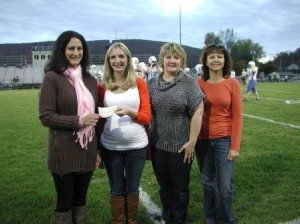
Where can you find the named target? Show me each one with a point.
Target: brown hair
(215, 49)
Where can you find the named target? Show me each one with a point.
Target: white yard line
(273, 99)
(283, 100)
(271, 121)
(296, 221)
(292, 101)
(153, 211)
(277, 91)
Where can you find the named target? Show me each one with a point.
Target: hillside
(98, 47)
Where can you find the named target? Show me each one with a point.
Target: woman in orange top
(220, 135)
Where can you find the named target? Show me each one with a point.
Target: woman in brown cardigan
(67, 107)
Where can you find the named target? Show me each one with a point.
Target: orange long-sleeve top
(223, 110)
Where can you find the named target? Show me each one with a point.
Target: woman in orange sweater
(220, 135)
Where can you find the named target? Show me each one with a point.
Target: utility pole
(180, 22)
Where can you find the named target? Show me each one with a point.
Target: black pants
(71, 190)
(173, 177)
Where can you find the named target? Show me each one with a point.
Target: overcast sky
(274, 24)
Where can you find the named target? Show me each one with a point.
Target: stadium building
(17, 73)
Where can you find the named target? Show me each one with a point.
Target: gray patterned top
(173, 105)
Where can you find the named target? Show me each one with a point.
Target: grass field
(267, 173)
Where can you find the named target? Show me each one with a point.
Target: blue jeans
(124, 169)
(173, 177)
(217, 179)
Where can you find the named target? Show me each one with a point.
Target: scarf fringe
(85, 136)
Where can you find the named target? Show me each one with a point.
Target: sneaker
(257, 100)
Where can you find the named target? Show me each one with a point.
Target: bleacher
(6, 77)
(38, 75)
(26, 77)
(15, 77)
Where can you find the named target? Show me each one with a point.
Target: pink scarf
(85, 102)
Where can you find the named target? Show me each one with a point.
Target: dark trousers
(71, 190)
(173, 177)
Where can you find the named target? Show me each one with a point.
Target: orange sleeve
(237, 117)
(101, 122)
(144, 114)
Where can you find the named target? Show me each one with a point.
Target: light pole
(180, 22)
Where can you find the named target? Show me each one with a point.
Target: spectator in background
(152, 68)
(198, 68)
(135, 62)
(67, 107)
(100, 75)
(123, 137)
(187, 70)
(232, 74)
(244, 76)
(220, 135)
(93, 71)
(177, 107)
(141, 70)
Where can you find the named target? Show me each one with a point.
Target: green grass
(267, 179)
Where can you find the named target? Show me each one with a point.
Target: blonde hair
(109, 81)
(172, 48)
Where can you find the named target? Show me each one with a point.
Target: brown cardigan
(58, 111)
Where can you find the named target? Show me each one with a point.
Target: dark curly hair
(58, 61)
(215, 49)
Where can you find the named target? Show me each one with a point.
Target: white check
(107, 111)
